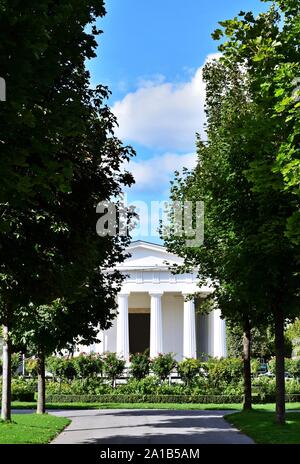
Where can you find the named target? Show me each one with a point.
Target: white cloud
(163, 115)
(154, 174)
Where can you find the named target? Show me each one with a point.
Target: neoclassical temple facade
(156, 310)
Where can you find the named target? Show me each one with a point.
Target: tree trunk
(247, 404)
(6, 376)
(280, 380)
(41, 400)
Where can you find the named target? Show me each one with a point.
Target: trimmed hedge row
(205, 399)
(201, 399)
(23, 396)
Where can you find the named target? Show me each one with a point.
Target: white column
(219, 334)
(101, 349)
(156, 343)
(210, 333)
(123, 327)
(189, 329)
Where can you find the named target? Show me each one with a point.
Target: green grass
(31, 429)
(183, 406)
(260, 425)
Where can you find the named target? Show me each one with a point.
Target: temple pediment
(146, 255)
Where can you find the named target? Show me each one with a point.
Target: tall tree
(267, 47)
(219, 181)
(247, 250)
(59, 158)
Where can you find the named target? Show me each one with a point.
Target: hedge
(142, 399)
(23, 396)
(200, 399)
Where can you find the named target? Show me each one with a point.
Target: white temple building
(156, 310)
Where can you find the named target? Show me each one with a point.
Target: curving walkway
(138, 426)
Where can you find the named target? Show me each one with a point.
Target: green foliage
(66, 159)
(269, 45)
(262, 342)
(248, 175)
(15, 362)
(140, 365)
(163, 365)
(255, 366)
(260, 426)
(293, 334)
(224, 372)
(60, 367)
(31, 429)
(122, 398)
(22, 390)
(188, 369)
(113, 366)
(89, 386)
(31, 367)
(266, 386)
(292, 366)
(145, 386)
(87, 365)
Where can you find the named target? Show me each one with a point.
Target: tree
(262, 342)
(65, 160)
(247, 250)
(270, 54)
(220, 182)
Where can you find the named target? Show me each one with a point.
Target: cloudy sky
(151, 55)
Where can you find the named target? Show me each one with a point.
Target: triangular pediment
(147, 255)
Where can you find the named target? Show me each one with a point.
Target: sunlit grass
(260, 425)
(31, 428)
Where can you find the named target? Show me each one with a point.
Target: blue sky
(150, 55)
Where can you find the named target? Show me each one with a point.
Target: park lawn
(260, 425)
(31, 429)
(174, 406)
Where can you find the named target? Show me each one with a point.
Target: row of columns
(156, 334)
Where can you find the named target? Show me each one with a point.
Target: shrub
(64, 388)
(188, 370)
(89, 386)
(22, 390)
(264, 386)
(140, 365)
(272, 365)
(113, 366)
(144, 386)
(61, 368)
(122, 398)
(163, 365)
(88, 365)
(292, 387)
(255, 365)
(15, 362)
(155, 398)
(173, 389)
(291, 365)
(31, 367)
(224, 371)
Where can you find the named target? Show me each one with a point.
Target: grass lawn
(183, 406)
(260, 425)
(31, 428)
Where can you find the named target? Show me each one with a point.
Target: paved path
(130, 426)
